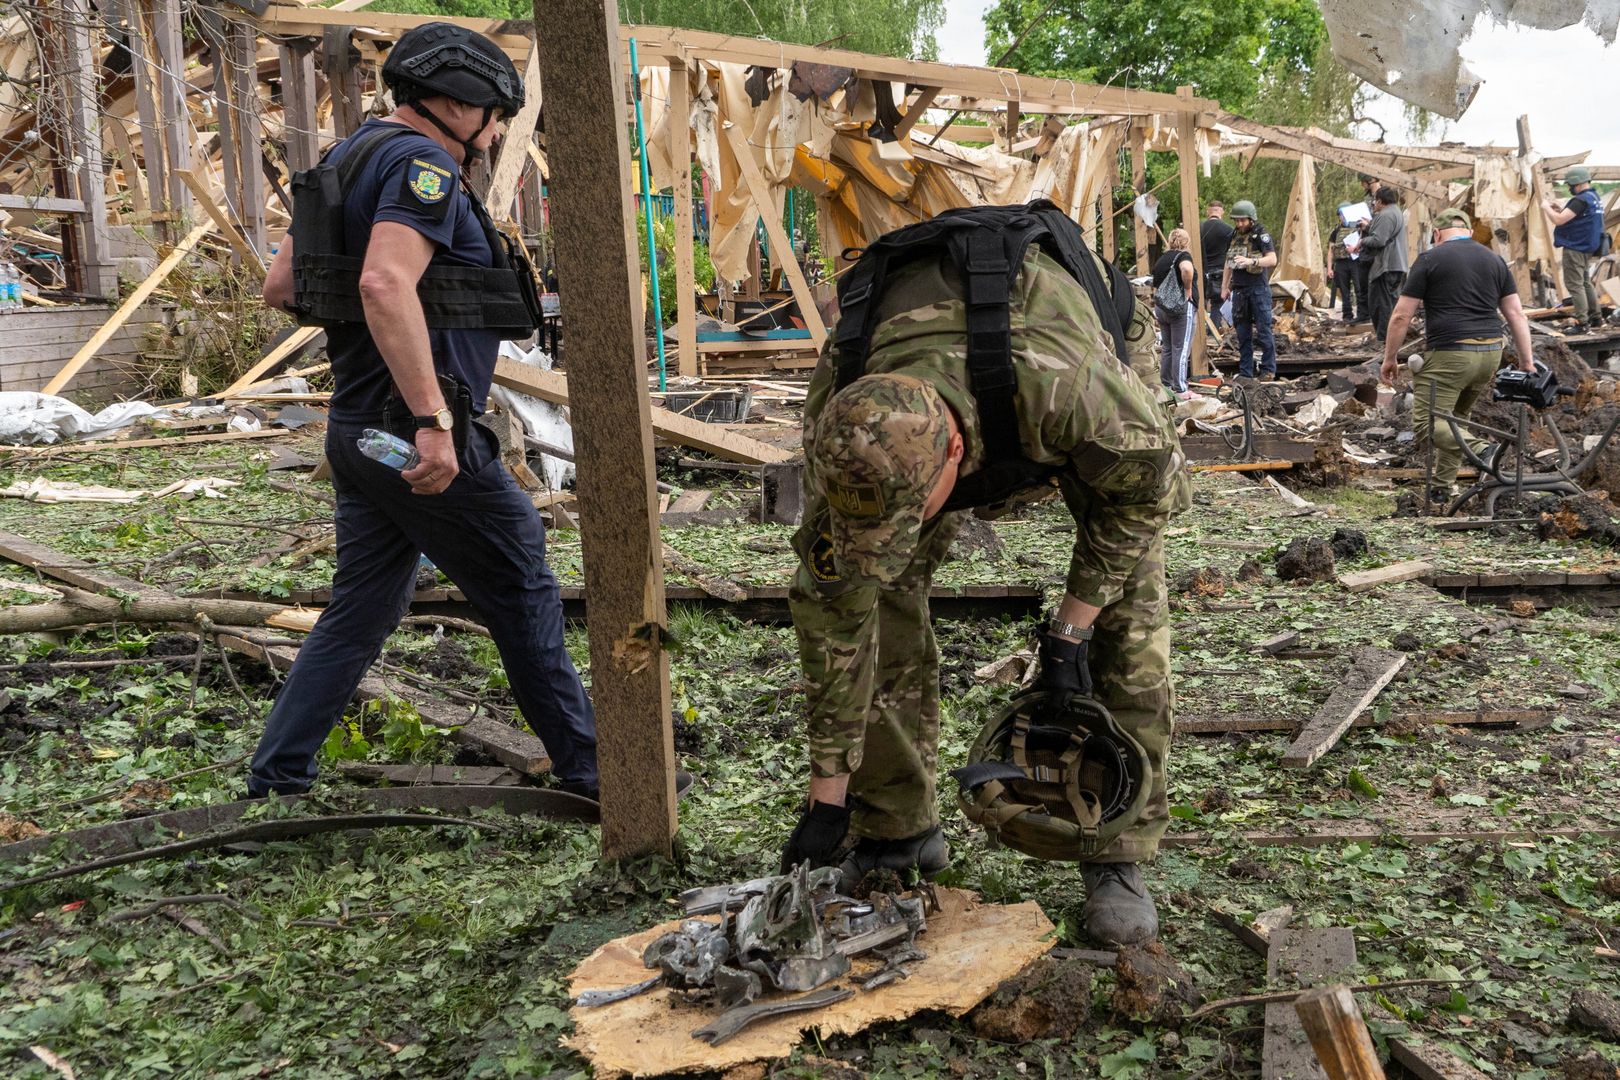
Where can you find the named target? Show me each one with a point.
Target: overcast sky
(1556, 77)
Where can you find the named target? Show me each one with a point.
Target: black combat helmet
(439, 58)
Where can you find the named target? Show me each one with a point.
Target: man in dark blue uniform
(411, 295)
(1247, 282)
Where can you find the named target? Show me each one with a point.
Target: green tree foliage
(884, 27)
(1226, 51)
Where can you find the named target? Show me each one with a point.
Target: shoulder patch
(428, 188)
(1265, 238)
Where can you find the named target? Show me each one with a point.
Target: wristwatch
(1069, 630)
(443, 420)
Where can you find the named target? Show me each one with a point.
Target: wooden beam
(59, 449)
(1372, 671)
(1385, 575)
(1306, 144)
(1036, 94)
(553, 386)
(1187, 160)
(42, 204)
(300, 128)
(680, 152)
(1137, 140)
(1338, 1034)
(292, 344)
(1300, 958)
(921, 104)
(173, 112)
(227, 228)
(781, 249)
(80, 88)
(135, 299)
(143, 71)
(503, 182)
(594, 233)
(342, 80)
(247, 196)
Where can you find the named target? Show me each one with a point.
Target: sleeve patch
(429, 186)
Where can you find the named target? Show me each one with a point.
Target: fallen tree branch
(81, 608)
(131, 914)
(1290, 995)
(466, 626)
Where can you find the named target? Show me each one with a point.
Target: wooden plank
(1371, 672)
(70, 568)
(137, 444)
(413, 775)
(1300, 958)
(503, 183)
(41, 204)
(1187, 162)
(300, 127)
(173, 112)
(1429, 1060)
(135, 299)
(919, 105)
(1137, 139)
(688, 502)
(1363, 580)
(781, 249)
(1240, 466)
(1522, 719)
(227, 228)
(98, 274)
(1306, 144)
(1277, 642)
(680, 152)
(1338, 1034)
(683, 430)
(593, 227)
(297, 340)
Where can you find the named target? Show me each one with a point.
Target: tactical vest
(986, 245)
(326, 278)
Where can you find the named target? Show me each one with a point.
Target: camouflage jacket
(1077, 406)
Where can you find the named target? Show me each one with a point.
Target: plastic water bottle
(389, 450)
(10, 287)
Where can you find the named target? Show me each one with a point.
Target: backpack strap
(984, 256)
(1114, 301)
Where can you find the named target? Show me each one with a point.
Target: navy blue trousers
(486, 536)
(1251, 318)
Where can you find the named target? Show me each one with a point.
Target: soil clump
(1307, 559)
(1149, 985)
(1577, 517)
(1050, 999)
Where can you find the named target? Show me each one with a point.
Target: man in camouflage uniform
(881, 458)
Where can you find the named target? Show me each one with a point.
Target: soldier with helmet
(397, 259)
(980, 359)
(1247, 283)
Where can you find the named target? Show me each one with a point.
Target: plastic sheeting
(542, 419)
(1412, 50)
(33, 419)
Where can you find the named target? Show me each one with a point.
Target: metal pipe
(647, 212)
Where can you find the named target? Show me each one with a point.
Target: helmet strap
(470, 153)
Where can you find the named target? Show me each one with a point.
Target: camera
(1538, 389)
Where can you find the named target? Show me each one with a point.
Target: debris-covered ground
(443, 952)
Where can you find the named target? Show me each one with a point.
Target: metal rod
(647, 212)
(1428, 454)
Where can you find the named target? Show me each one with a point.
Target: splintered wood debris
(972, 947)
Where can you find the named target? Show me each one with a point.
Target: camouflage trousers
(892, 753)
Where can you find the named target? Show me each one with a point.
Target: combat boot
(1118, 909)
(925, 855)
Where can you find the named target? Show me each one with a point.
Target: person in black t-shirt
(1214, 237)
(1466, 291)
(1176, 322)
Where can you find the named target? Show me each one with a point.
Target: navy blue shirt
(411, 180)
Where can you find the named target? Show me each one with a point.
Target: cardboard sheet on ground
(971, 947)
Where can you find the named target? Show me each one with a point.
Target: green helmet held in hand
(1060, 785)
(1244, 209)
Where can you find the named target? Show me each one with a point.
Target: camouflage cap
(879, 448)
(1452, 218)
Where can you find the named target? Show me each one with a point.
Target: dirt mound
(1149, 985)
(1307, 559)
(1203, 581)
(1049, 1000)
(1251, 571)
(1348, 543)
(1577, 517)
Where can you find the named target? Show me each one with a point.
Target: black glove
(1064, 672)
(817, 836)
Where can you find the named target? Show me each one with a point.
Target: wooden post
(503, 181)
(1139, 229)
(1187, 158)
(593, 229)
(1012, 124)
(1106, 222)
(342, 80)
(98, 275)
(300, 129)
(246, 200)
(143, 74)
(680, 152)
(173, 112)
(1338, 1034)
(216, 32)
